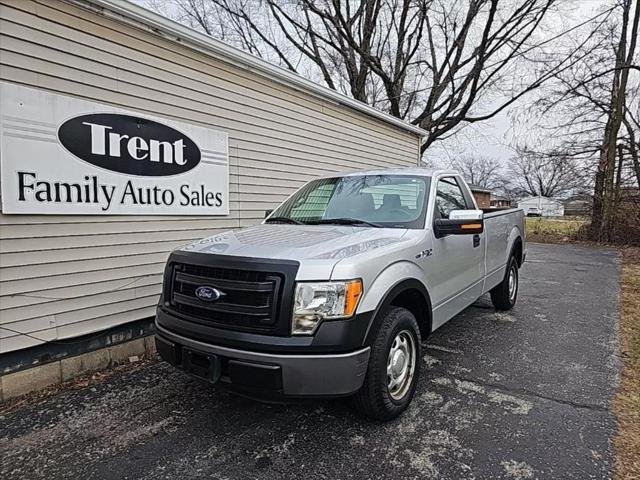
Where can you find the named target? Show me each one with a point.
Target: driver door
(456, 280)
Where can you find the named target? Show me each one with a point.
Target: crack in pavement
(529, 393)
(571, 264)
(441, 348)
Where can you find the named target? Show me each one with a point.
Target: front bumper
(271, 375)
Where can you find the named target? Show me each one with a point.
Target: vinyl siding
(64, 276)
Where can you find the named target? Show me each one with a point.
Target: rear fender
(514, 235)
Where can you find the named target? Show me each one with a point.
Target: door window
(449, 197)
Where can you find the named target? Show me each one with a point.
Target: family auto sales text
(92, 191)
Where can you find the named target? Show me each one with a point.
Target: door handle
(476, 240)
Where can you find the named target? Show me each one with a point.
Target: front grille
(249, 303)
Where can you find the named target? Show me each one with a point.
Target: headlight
(315, 302)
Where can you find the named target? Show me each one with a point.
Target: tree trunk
(602, 199)
(633, 150)
(615, 194)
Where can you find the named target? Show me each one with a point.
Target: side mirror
(267, 213)
(460, 222)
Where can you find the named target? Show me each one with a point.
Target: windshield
(393, 201)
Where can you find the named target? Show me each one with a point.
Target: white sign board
(62, 155)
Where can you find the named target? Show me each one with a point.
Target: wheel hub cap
(401, 364)
(398, 363)
(513, 283)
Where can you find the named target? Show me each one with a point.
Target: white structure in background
(542, 207)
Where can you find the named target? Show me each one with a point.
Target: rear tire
(505, 294)
(394, 367)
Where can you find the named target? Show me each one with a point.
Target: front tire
(505, 294)
(394, 367)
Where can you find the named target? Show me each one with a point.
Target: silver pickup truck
(333, 294)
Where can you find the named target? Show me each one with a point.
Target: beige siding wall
(63, 276)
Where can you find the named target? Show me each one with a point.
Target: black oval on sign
(128, 144)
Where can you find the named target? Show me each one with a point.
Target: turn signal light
(354, 291)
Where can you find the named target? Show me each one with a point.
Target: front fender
(394, 280)
(385, 281)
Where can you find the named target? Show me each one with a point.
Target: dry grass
(627, 401)
(555, 230)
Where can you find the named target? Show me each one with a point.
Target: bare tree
(357, 48)
(589, 113)
(436, 63)
(539, 174)
(604, 197)
(479, 170)
(633, 147)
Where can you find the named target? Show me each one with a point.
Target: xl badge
(208, 294)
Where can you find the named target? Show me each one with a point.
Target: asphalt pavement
(518, 395)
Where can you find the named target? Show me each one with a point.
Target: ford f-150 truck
(333, 294)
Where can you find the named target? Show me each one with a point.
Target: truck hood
(311, 244)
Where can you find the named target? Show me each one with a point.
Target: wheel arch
(411, 294)
(517, 250)
(515, 245)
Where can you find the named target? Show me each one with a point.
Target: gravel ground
(517, 395)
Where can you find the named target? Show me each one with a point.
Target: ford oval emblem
(129, 145)
(208, 294)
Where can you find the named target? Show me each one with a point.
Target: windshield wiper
(346, 221)
(284, 220)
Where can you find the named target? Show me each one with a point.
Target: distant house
(482, 195)
(541, 207)
(499, 201)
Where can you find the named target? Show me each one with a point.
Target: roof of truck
(417, 171)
